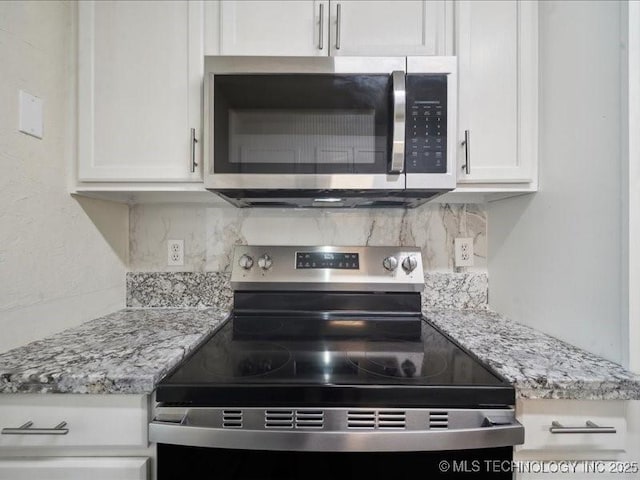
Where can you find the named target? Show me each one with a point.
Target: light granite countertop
(538, 365)
(130, 351)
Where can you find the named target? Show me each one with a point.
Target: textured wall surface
(209, 233)
(61, 261)
(555, 258)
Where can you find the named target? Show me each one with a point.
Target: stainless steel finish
(399, 121)
(557, 427)
(321, 28)
(26, 429)
(337, 429)
(245, 262)
(341, 181)
(338, 18)
(409, 264)
(371, 276)
(467, 152)
(265, 262)
(194, 164)
(390, 263)
(448, 66)
(428, 182)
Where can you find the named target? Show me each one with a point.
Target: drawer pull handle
(27, 430)
(557, 427)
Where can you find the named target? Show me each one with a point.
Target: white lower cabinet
(74, 436)
(74, 468)
(552, 448)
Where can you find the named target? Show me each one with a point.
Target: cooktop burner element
(333, 339)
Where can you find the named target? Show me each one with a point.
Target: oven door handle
(187, 434)
(399, 121)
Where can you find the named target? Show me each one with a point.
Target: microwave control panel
(426, 130)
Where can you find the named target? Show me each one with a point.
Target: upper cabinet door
(496, 43)
(139, 90)
(390, 28)
(278, 28)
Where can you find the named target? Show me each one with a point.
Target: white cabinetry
(140, 67)
(43, 436)
(584, 450)
(79, 468)
(328, 27)
(286, 28)
(497, 49)
(390, 28)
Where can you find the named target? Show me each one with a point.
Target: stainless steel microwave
(330, 131)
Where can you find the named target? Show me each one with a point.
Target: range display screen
(338, 260)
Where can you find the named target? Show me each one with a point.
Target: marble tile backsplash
(210, 232)
(461, 291)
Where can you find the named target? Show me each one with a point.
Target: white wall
(58, 266)
(555, 258)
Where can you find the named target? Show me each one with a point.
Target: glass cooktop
(341, 360)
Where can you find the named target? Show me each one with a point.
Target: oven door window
(302, 123)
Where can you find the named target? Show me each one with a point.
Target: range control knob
(265, 262)
(390, 263)
(245, 261)
(409, 264)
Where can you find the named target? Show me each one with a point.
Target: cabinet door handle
(338, 15)
(194, 164)
(27, 430)
(467, 152)
(321, 29)
(557, 427)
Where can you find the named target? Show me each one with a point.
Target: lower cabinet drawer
(568, 418)
(75, 468)
(73, 420)
(577, 470)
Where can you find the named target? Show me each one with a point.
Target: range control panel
(426, 131)
(327, 268)
(347, 261)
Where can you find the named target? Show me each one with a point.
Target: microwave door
(308, 131)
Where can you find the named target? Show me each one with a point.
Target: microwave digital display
(335, 260)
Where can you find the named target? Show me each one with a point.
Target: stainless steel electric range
(326, 366)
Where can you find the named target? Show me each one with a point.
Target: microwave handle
(399, 120)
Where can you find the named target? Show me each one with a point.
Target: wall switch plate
(31, 119)
(175, 253)
(464, 252)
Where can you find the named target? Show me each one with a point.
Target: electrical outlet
(464, 252)
(175, 253)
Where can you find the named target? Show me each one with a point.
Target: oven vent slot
(391, 419)
(278, 419)
(232, 419)
(438, 419)
(361, 419)
(309, 418)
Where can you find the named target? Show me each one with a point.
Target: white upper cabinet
(139, 90)
(263, 27)
(389, 28)
(496, 45)
(328, 27)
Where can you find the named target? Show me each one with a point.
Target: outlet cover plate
(175, 253)
(31, 119)
(464, 252)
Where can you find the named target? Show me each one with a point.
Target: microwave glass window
(299, 123)
(295, 137)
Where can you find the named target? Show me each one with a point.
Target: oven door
(180, 462)
(305, 123)
(286, 443)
